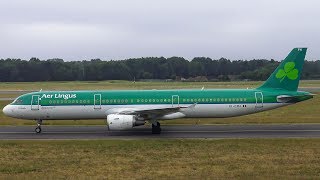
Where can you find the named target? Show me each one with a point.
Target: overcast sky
(119, 29)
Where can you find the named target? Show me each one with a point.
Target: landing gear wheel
(38, 130)
(156, 129)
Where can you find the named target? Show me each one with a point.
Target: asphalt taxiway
(170, 131)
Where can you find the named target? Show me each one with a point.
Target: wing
(148, 112)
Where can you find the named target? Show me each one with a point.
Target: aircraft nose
(7, 110)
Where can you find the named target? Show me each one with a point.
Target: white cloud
(80, 29)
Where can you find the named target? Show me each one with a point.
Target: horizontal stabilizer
(293, 99)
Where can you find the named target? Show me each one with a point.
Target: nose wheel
(38, 128)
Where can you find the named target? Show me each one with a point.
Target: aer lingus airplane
(126, 109)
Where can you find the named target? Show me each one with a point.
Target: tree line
(144, 68)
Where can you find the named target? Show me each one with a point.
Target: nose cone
(7, 110)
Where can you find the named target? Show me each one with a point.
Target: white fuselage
(90, 112)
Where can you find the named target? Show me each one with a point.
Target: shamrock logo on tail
(288, 71)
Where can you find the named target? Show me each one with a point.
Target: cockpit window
(17, 101)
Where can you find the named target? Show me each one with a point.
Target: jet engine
(121, 122)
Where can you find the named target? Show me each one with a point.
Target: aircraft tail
(287, 74)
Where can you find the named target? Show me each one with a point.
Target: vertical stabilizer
(287, 74)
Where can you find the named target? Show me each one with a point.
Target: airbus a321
(125, 109)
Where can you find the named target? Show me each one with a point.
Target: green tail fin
(287, 74)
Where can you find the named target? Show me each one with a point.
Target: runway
(170, 131)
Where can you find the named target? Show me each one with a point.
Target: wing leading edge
(149, 112)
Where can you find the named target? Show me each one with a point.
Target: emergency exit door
(97, 101)
(175, 101)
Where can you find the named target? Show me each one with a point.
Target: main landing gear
(156, 129)
(38, 128)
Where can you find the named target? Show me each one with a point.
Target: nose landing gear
(38, 128)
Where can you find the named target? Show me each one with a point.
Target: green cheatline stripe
(155, 104)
